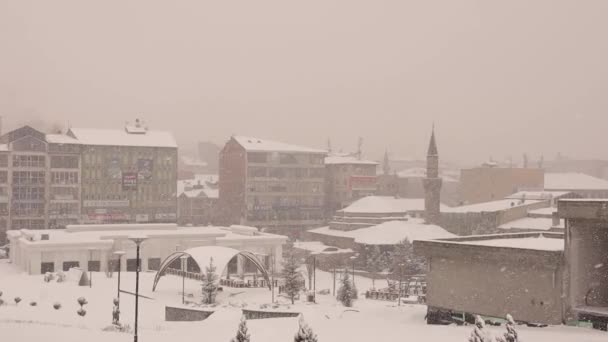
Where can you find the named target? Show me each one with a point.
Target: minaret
(432, 184)
(386, 167)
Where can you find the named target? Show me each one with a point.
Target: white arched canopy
(203, 255)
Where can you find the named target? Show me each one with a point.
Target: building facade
(128, 175)
(272, 185)
(348, 179)
(39, 180)
(197, 200)
(483, 184)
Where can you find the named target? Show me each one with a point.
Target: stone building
(348, 178)
(271, 184)
(128, 175)
(197, 200)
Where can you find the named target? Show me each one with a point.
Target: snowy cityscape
(328, 171)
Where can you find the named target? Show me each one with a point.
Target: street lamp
(138, 240)
(89, 267)
(119, 255)
(353, 258)
(400, 281)
(184, 258)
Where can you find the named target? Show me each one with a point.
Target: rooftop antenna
(359, 145)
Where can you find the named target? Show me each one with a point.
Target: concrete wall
(495, 281)
(175, 314)
(262, 314)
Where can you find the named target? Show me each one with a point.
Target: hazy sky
(497, 77)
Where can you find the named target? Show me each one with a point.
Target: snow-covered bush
(61, 277)
(511, 334)
(17, 300)
(57, 306)
(82, 301)
(123, 328)
(305, 333)
(347, 292)
(242, 335)
(1, 302)
(210, 283)
(479, 333)
(33, 303)
(81, 312)
(48, 277)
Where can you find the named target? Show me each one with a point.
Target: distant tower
(386, 167)
(432, 183)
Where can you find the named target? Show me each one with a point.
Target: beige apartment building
(271, 185)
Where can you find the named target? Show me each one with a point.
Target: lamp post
(138, 241)
(183, 259)
(119, 255)
(353, 258)
(400, 281)
(89, 267)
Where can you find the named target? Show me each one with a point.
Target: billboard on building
(129, 181)
(144, 169)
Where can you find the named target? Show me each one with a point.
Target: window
(3, 160)
(94, 266)
(64, 162)
(317, 173)
(28, 193)
(69, 264)
(28, 178)
(64, 177)
(46, 267)
(257, 157)
(3, 177)
(28, 161)
(154, 264)
(285, 158)
(256, 172)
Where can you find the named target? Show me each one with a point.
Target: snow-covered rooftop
(536, 243)
(77, 236)
(200, 186)
(420, 172)
(386, 204)
(61, 139)
(319, 248)
(489, 206)
(263, 145)
(531, 223)
(120, 137)
(390, 233)
(574, 181)
(339, 160)
(543, 211)
(537, 195)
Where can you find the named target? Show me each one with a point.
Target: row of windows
(284, 215)
(285, 173)
(267, 202)
(123, 159)
(64, 162)
(291, 187)
(29, 178)
(29, 161)
(27, 209)
(285, 158)
(28, 193)
(65, 193)
(27, 224)
(64, 177)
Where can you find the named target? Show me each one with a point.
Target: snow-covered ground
(371, 320)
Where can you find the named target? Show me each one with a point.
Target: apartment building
(348, 178)
(39, 180)
(271, 184)
(128, 175)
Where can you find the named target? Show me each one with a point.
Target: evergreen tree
(292, 277)
(373, 262)
(210, 283)
(404, 254)
(347, 292)
(305, 333)
(242, 335)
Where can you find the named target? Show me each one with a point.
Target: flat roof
(574, 181)
(386, 204)
(263, 145)
(343, 160)
(120, 137)
(490, 206)
(546, 242)
(531, 223)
